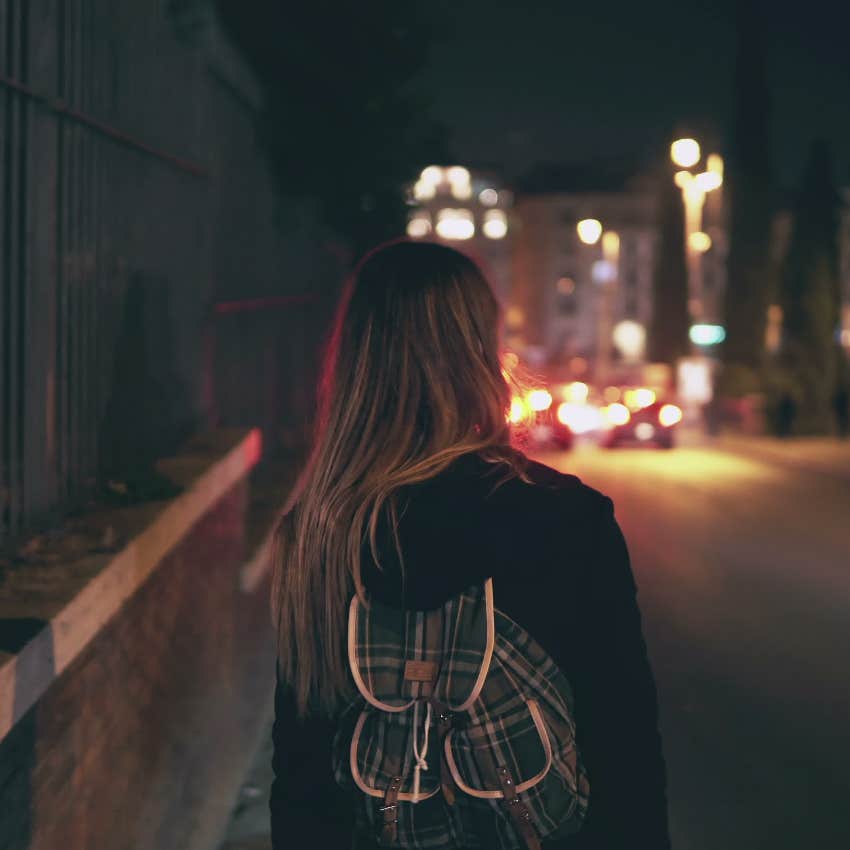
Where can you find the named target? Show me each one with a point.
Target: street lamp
(686, 153)
(589, 230)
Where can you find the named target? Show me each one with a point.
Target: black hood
(463, 525)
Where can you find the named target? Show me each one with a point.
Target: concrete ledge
(102, 583)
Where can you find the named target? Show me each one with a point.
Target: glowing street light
(589, 230)
(699, 241)
(685, 152)
(714, 164)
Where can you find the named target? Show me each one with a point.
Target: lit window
(455, 224)
(423, 190)
(458, 174)
(462, 191)
(495, 224)
(603, 271)
(432, 175)
(419, 226)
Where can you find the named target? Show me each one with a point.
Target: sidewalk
(249, 822)
(821, 455)
(248, 825)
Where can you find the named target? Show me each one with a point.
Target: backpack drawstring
(421, 764)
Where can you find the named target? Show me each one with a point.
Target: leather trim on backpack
(488, 652)
(353, 613)
(537, 717)
(355, 667)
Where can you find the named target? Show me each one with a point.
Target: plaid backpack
(462, 734)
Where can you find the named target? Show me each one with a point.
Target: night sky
(573, 82)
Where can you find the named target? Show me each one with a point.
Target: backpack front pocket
(517, 740)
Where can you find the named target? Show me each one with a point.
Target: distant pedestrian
(460, 657)
(786, 413)
(841, 404)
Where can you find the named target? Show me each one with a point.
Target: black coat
(561, 570)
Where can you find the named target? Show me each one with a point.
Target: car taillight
(669, 415)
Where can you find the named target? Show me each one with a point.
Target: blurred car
(536, 422)
(652, 424)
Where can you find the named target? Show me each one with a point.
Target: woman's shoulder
(554, 492)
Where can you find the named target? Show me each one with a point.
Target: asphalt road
(743, 569)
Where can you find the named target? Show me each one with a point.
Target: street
(743, 568)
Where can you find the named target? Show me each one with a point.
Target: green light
(707, 334)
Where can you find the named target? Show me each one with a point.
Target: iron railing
(132, 198)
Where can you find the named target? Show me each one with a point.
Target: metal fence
(131, 199)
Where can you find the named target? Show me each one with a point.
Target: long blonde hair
(412, 380)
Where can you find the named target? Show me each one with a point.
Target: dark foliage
(749, 193)
(811, 358)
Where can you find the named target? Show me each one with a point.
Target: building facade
(471, 211)
(568, 296)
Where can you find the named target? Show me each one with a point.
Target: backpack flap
(398, 657)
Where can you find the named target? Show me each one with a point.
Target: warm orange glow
(638, 398)
(709, 180)
(617, 414)
(539, 400)
(518, 410)
(685, 152)
(611, 394)
(566, 285)
(514, 316)
(611, 246)
(715, 163)
(669, 415)
(589, 230)
(644, 397)
(578, 365)
(699, 242)
(577, 392)
(510, 360)
(682, 178)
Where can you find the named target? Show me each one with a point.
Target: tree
(749, 192)
(811, 298)
(668, 334)
(344, 123)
